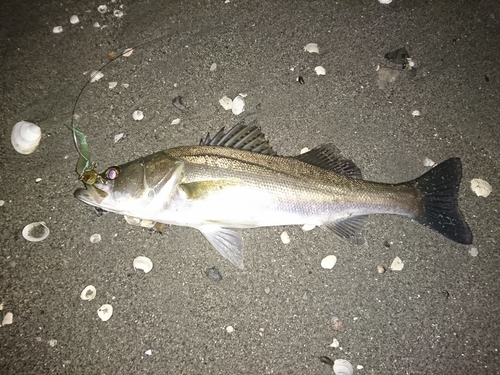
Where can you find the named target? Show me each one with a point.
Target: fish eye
(111, 173)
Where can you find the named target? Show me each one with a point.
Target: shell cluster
(25, 137)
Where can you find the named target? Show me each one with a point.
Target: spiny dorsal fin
(329, 157)
(241, 137)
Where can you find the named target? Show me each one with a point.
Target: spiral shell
(25, 137)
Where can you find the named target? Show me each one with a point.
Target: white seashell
(473, 252)
(96, 76)
(304, 150)
(429, 162)
(74, 19)
(308, 227)
(229, 329)
(342, 367)
(38, 180)
(25, 137)
(226, 102)
(320, 70)
(148, 352)
(118, 137)
(143, 263)
(285, 237)
(95, 238)
(415, 113)
(238, 105)
(8, 319)
(328, 262)
(105, 312)
(397, 264)
(480, 187)
(57, 30)
(385, 1)
(311, 48)
(335, 343)
(102, 8)
(175, 121)
(138, 115)
(112, 85)
(126, 85)
(36, 232)
(2, 202)
(89, 293)
(359, 367)
(128, 52)
(213, 67)
(118, 13)
(96, 25)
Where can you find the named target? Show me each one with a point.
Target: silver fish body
(235, 181)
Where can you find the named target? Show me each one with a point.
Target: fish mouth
(90, 195)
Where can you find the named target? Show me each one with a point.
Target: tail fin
(439, 187)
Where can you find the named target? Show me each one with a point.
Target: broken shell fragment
(57, 29)
(397, 264)
(95, 238)
(328, 262)
(238, 106)
(36, 232)
(105, 312)
(308, 227)
(175, 121)
(415, 113)
(25, 137)
(74, 19)
(311, 48)
(8, 319)
(481, 187)
(429, 162)
(102, 8)
(342, 367)
(226, 102)
(143, 263)
(96, 76)
(128, 52)
(320, 70)
(89, 293)
(335, 343)
(118, 136)
(285, 237)
(112, 85)
(138, 115)
(118, 13)
(213, 67)
(385, 1)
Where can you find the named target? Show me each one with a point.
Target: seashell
(320, 70)
(381, 268)
(335, 343)
(36, 232)
(148, 352)
(89, 293)
(328, 262)
(57, 30)
(102, 8)
(175, 121)
(8, 319)
(127, 52)
(429, 162)
(481, 187)
(105, 312)
(397, 264)
(473, 252)
(385, 1)
(238, 106)
(96, 76)
(74, 19)
(308, 227)
(95, 238)
(416, 113)
(138, 115)
(213, 67)
(311, 48)
(96, 25)
(112, 85)
(2, 202)
(118, 13)
(229, 329)
(143, 263)
(118, 137)
(226, 102)
(52, 343)
(342, 367)
(285, 237)
(25, 137)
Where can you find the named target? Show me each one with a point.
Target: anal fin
(227, 242)
(348, 229)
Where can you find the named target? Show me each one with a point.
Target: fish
(236, 180)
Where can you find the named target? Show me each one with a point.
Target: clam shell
(36, 232)
(397, 264)
(95, 238)
(143, 263)
(342, 367)
(328, 262)
(481, 187)
(226, 102)
(105, 312)
(25, 137)
(89, 293)
(102, 8)
(238, 106)
(138, 115)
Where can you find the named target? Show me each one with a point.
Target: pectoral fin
(227, 242)
(349, 229)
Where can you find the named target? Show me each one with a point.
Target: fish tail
(439, 188)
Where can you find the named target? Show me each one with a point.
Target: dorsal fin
(329, 157)
(241, 137)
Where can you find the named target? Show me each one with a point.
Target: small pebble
(74, 19)
(2, 203)
(473, 251)
(57, 30)
(213, 67)
(38, 180)
(102, 8)
(8, 319)
(267, 290)
(397, 264)
(175, 121)
(229, 329)
(311, 48)
(337, 324)
(381, 268)
(112, 85)
(415, 113)
(52, 343)
(328, 262)
(96, 25)
(213, 274)
(285, 237)
(95, 238)
(320, 70)
(138, 115)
